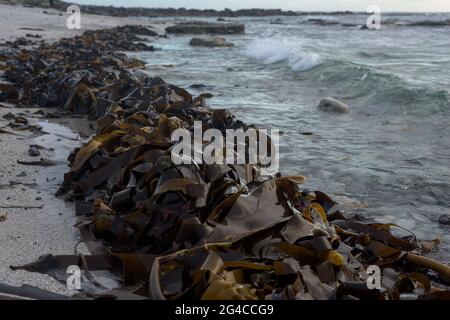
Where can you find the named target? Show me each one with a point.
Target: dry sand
(27, 234)
(16, 21)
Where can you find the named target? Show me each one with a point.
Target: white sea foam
(274, 49)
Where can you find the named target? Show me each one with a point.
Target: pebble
(33, 151)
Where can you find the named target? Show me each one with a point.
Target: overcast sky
(302, 5)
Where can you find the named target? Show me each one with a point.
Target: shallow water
(390, 154)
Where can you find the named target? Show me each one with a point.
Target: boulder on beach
(206, 28)
(210, 42)
(332, 105)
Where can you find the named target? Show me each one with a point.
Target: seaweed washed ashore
(195, 231)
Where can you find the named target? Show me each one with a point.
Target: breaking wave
(273, 50)
(367, 86)
(373, 87)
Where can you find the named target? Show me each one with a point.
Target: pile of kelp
(57, 75)
(198, 231)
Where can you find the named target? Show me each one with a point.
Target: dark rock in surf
(207, 95)
(210, 42)
(277, 21)
(445, 219)
(198, 86)
(206, 28)
(30, 35)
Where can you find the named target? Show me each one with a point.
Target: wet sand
(36, 222)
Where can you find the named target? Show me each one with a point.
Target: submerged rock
(322, 22)
(430, 23)
(445, 219)
(198, 86)
(210, 42)
(277, 21)
(142, 75)
(206, 28)
(332, 105)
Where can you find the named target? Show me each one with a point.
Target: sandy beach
(18, 21)
(37, 222)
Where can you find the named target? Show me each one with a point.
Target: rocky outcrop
(167, 12)
(210, 42)
(206, 28)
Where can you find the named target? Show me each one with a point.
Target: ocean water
(389, 157)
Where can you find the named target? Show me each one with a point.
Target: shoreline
(37, 222)
(158, 136)
(18, 21)
(27, 234)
